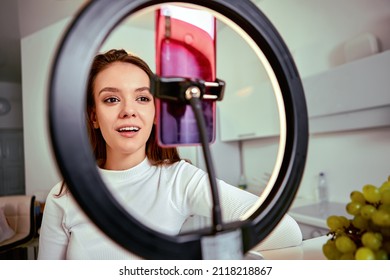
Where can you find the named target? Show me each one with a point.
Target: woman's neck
(123, 161)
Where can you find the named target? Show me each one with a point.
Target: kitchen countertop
(310, 249)
(310, 213)
(306, 212)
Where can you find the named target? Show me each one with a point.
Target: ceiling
(318, 21)
(20, 18)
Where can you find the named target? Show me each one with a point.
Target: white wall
(350, 160)
(317, 31)
(37, 52)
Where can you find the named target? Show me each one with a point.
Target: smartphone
(185, 47)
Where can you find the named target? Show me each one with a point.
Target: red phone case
(185, 47)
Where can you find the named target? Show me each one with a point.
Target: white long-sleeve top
(162, 197)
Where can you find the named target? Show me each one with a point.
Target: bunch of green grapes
(365, 236)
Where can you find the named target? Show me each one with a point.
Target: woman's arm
(53, 236)
(234, 204)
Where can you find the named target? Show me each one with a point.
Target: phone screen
(185, 47)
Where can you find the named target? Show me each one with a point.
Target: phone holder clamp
(182, 89)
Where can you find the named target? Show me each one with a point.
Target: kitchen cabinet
(351, 96)
(358, 85)
(251, 115)
(348, 97)
(248, 109)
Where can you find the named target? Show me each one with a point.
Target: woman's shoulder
(58, 189)
(183, 172)
(58, 194)
(181, 165)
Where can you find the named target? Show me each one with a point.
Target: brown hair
(156, 154)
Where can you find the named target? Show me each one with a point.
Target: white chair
(19, 214)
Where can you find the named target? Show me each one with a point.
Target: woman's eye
(143, 99)
(111, 100)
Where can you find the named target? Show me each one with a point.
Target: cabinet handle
(246, 135)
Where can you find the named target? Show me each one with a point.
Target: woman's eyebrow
(109, 89)
(114, 89)
(142, 89)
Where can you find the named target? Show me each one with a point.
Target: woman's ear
(93, 119)
(155, 112)
(155, 119)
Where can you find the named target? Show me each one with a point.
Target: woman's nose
(127, 110)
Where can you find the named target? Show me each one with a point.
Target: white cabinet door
(358, 85)
(249, 116)
(351, 96)
(249, 108)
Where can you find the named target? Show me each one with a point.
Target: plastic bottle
(322, 189)
(242, 182)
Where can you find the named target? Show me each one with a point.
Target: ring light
(75, 159)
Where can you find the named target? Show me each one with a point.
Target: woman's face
(124, 112)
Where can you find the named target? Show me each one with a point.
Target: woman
(151, 182)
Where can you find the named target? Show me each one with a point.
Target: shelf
(352, 96)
